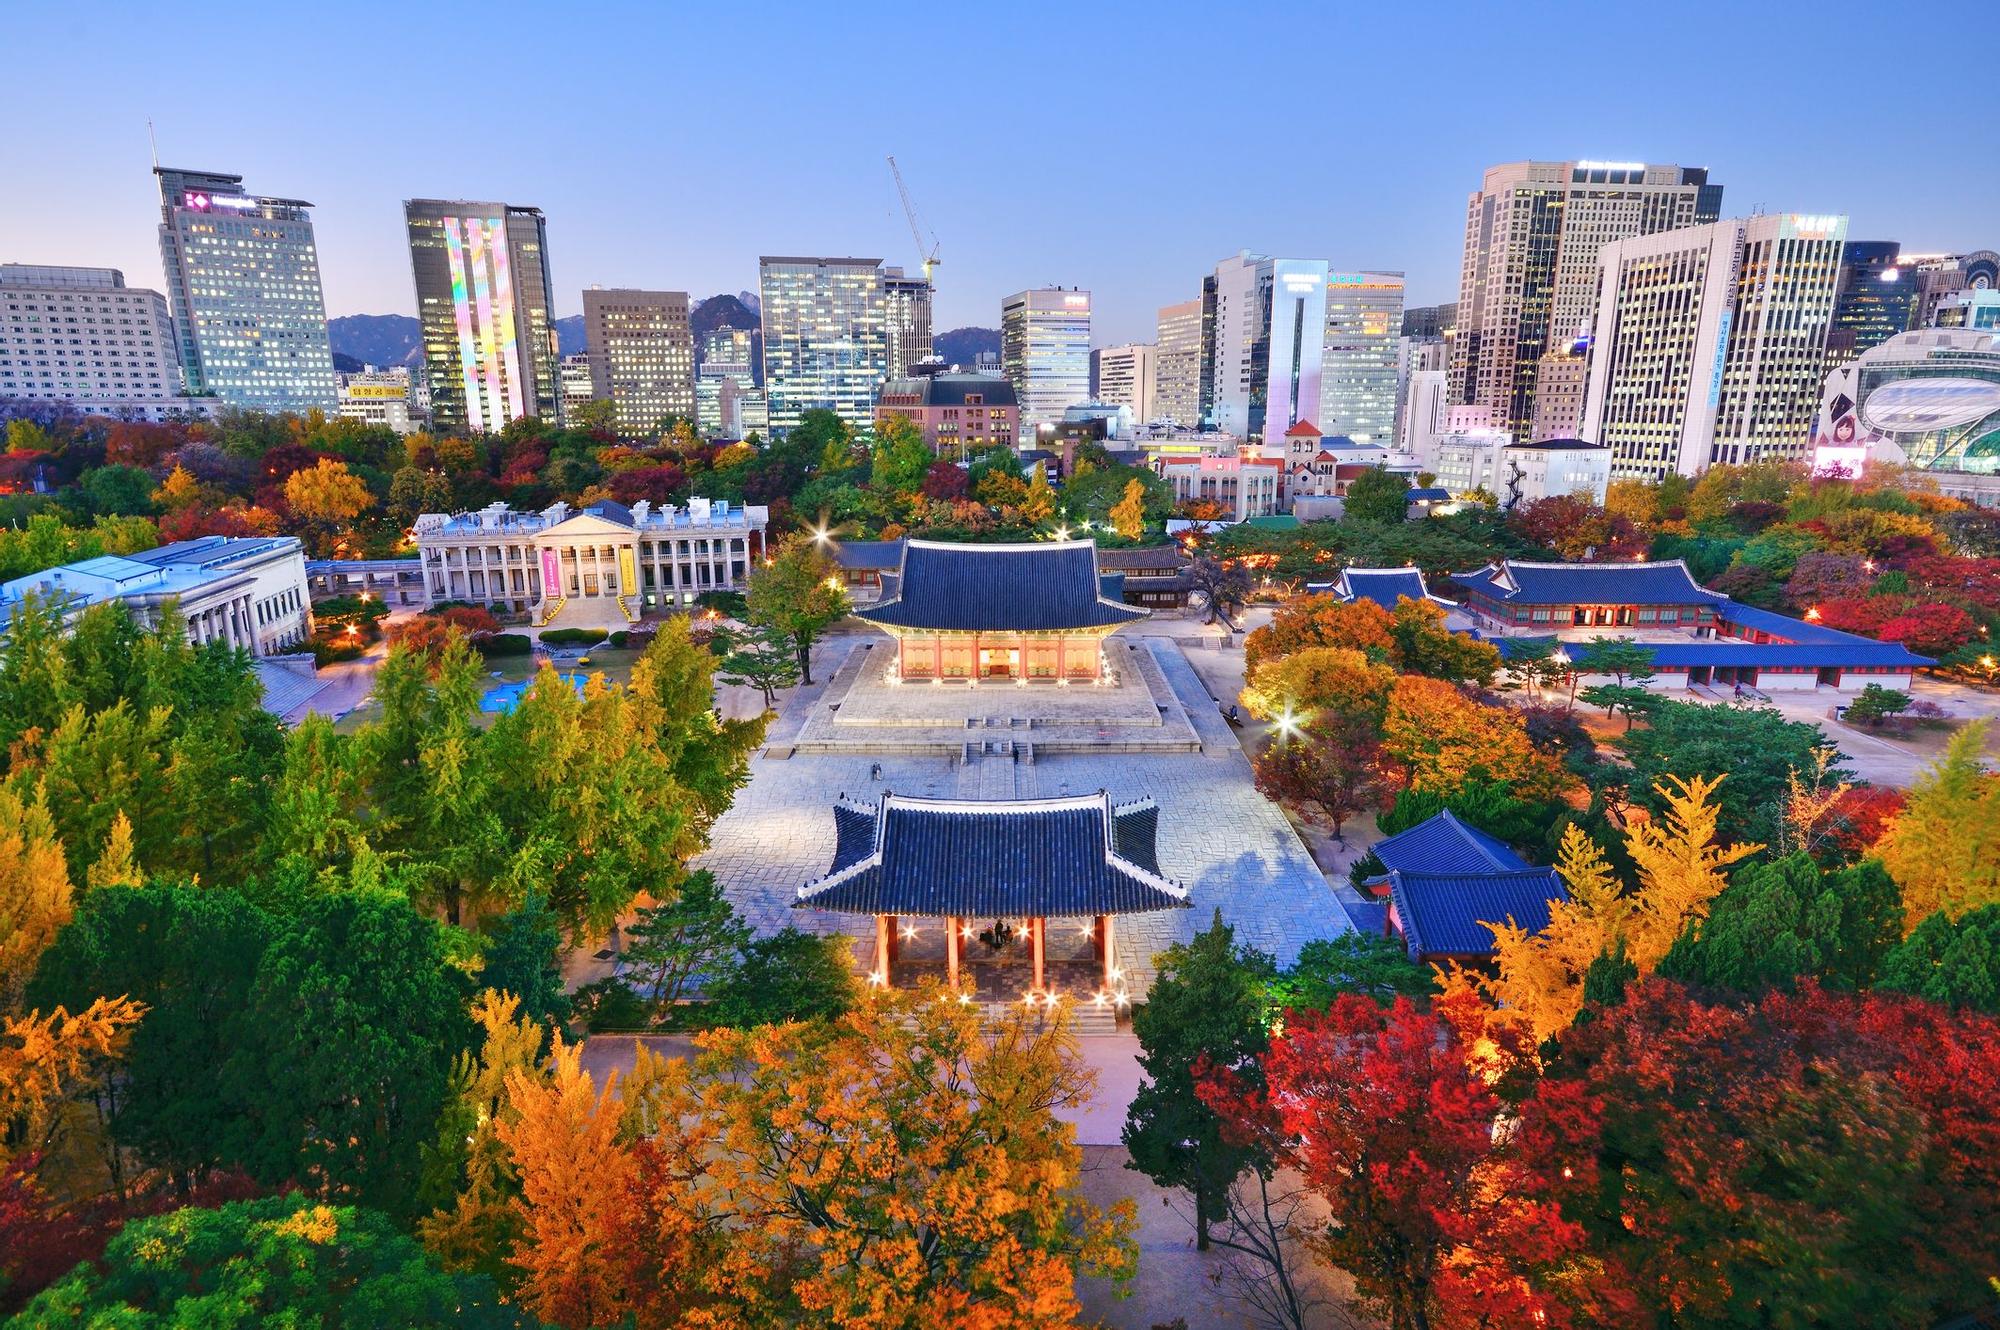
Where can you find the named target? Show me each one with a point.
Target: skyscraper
(483, 302)
(1045, 351)
(1364, 319)
(1270, 334)
(1177, 365)
(641, 356)
(1528, 284)
(1876, 299)
(906, 320)
(1125, 378)
(826, 342)
(243, 280)
(1710, 343)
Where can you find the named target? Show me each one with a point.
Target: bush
(610, 1005)
(729, 604)
(788, 976)
(620, 639)
(583, 637)
(504, 644)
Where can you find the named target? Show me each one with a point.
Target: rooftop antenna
(153, 139)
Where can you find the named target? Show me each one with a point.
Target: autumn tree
(1538, 979)
(1441, 1219)
(1421, 644)
(1320, 621)
(576, 1180)
(1442, 739)
(1813, 1159)
(1339, 681)
(1328, 765)
(1038, 502)
(1758, 748)
(797, 592)
(1128, 515)
(906, 1166)
(327, 496)
(1944, 848)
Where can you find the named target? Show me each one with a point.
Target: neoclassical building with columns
(602, 564)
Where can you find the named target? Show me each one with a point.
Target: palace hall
(1030, 612)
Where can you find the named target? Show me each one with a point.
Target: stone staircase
(630, 615)
(550, 609)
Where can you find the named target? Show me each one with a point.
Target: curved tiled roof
(1041, 587)
(1384, 586)
(995, 858)
(1444, 844)
(1666, 582)
(1445, 914)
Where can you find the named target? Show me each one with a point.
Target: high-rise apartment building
(1877, 298)
(244, 285)
(484, 302)
(1710, 344)
(1125, 377)
(1426, 407)
(826, 340)
(1528, 284)
(641, 356)
(81, 337)
(1270, 334)
(1364, 320)
(1177, 365)
(1045, 351)
(727, 402)
(906, 320)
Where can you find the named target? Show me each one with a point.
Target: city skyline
(1391, 201)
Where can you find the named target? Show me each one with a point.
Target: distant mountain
(376, 339)
(961, 346)
(395, 339)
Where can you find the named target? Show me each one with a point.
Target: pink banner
(552, 579)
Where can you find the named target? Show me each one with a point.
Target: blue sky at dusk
(1123, 148)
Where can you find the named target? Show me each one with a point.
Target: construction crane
(931, 259)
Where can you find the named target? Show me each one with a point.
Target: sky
(1123, 148)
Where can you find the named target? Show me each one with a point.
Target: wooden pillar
(895, 940)
(882, 949)
(1106, 943)
(951, 949)
(1036, 933)
(1062, 669)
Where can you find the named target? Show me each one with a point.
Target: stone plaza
(1232, 848)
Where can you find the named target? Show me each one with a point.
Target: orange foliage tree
(1321, 621)
(1443, 738)
(900, 1167)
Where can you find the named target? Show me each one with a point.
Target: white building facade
(603, 565)
(250, 592)
(1125, 376)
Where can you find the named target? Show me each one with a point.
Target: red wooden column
(951, 949)
(1108, 943)
(1036, 932)
(882, 949)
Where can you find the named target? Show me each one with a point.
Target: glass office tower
(484, 299)
(244, 285)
